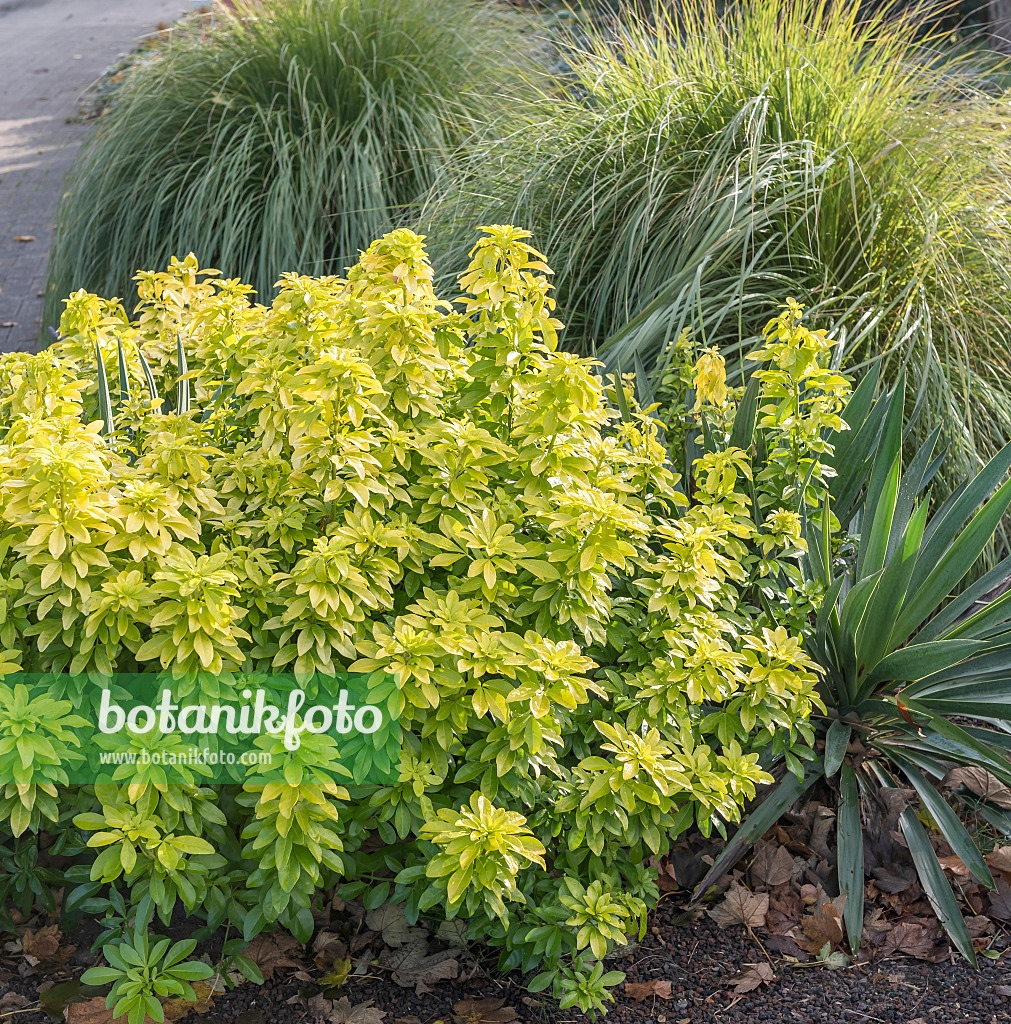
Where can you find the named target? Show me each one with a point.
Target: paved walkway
(50, 52)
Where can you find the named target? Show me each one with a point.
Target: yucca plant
(285, 137)
(693, 164)
(916, 668)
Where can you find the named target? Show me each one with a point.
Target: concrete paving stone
(51, 51)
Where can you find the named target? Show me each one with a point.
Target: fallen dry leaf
(363, 1013)
(980, 925)
(741, 907)
(752, 977)
(412, 965)
(176, 1009)
(772, 865)
(24, 238)
(955, 865)
(642, 990)
(822, 925)
(980, 782)
(889, 881)
(93, 1011)
(390, 921)
(43, 947)
(43, 944)
(328, 947)
(484, 1011)
(999, 859)
(822, 826)
(1000, 901)
(271, 951)
(12, 1001)
(915, 939)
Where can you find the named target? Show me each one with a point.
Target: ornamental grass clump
(695, 163)
(591, 653)
(288, 134)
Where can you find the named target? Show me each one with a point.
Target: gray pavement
(51, 51)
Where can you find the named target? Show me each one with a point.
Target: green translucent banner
(203, 730)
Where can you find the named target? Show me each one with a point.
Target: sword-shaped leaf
(183, 384)
(935, 885)
(104, 401)
(850, 856)
(757, 824)
(124, 380)
(148, 376)
(947, 821)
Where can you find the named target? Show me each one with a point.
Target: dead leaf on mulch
(772, 865)
(271, 951)
(642, 990)
(980, 782)
(362, 1013)
(823, 925)
(12, 1001)
(955, 865)
(43, 947)
(484, 1011)
(999, 859)
(93, 1011)
(741, 907)
(340, 1011)
(390, 922)
(327, 948)
(176, 1009)
(412, 966)
(890, 881)
(916, 939)
(753, 976)
(980, 925)
(1000, 901)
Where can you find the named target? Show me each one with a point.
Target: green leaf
(939, 578)
(941, 626)
(836, 741)
(620, 398)
(541, 981)
(193, 970)
(921, 660)
(757, 824)
(104, 401)
(743, 431)
(247, 968)
(124, 379)
(947, 821)
(935, 885)
(909, 488)
(148, 376)
(850, 856)
(871, 642)
(882, 487)
(183, 385)
(878, 527)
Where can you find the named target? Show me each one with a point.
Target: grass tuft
(286, 137)
(695, 168)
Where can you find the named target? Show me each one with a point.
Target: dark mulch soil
(698, 959)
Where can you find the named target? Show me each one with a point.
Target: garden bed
(701, 964)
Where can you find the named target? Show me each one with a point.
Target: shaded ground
(701, 962)
(50, 52)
